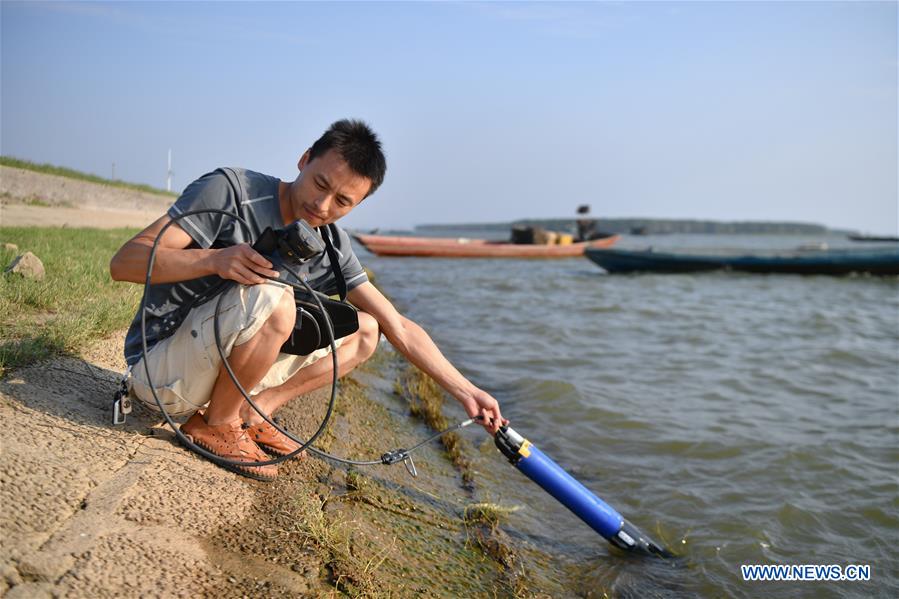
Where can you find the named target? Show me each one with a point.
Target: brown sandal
(272, 440)
(230, 441)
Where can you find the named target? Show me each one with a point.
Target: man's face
(326, 189)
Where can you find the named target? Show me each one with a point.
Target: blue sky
(488, 111)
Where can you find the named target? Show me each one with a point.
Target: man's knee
(369, 334)
(281, 321)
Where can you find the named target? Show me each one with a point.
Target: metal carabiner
(410, 465)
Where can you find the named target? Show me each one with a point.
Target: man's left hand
(484, 405)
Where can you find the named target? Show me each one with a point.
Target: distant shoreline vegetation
(647, 226)
(61, 171)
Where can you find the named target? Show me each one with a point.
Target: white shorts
(184, 367)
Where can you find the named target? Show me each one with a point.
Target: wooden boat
(451, 247)
(877, 238)
(824, 262)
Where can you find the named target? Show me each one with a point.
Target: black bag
(311, 331)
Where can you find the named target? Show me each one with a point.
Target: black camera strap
(340, 281)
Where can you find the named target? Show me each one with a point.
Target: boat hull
(832, 262)
(874, 238)
(436, 247)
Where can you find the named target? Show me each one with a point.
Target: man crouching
(343, 167)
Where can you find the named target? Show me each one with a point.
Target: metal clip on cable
(400, 455)
(392, 457)
(121, 403)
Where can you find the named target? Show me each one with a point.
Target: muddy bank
(93, 510)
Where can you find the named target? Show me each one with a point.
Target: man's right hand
(243, 264)
(176, 261)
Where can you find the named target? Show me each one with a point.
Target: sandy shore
(93, 510)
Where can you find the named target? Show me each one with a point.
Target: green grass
(73, 174)
(77, 301)
(332, 534)
(487, 514)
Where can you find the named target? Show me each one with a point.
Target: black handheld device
(297, 242)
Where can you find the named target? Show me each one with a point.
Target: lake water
(743, 419)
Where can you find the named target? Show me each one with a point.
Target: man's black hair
(358, 145)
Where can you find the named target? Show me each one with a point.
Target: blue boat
(884, 261)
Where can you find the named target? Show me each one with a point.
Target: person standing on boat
(586, 226)
(343, 167)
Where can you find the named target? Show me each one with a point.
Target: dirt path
(28, 198)
(23, 215)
